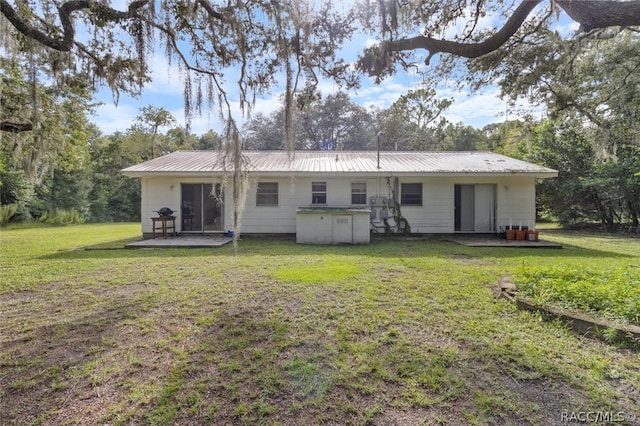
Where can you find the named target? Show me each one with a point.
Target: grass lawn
(403, 332)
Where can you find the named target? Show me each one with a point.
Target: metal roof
(200, 163)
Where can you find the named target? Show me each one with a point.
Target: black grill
(165, 212)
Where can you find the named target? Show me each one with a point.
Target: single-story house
(340, 196)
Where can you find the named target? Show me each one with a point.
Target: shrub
(61, 217)
(7, 212)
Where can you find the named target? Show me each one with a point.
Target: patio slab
(484, 241)
(186, 241)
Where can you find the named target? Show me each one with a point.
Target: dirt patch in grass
(46, 363)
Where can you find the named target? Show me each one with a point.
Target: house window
(318, 192)
(358, 193)
(267, 194)
(411, 194)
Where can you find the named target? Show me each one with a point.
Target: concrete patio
(184, 241)
(494, 241)
(204, 241)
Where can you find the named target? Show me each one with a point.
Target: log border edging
(585, 325)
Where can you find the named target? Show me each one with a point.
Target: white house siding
(515, 201)
(167, 192)
(514, 198)
(511, 190)
(436, 213)
(158, 193)
(271, 219)
(292, 194)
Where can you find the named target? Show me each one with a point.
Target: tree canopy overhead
(250, 44)
(255, 45)
(434, 20)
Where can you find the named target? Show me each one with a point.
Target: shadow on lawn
(404, 248)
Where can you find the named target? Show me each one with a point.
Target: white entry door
(342, 229)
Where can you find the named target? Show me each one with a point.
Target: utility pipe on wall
(379, 133)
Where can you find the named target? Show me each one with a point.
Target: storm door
(202, 209)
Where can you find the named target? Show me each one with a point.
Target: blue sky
(166, 91)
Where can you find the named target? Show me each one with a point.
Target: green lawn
(395, 332)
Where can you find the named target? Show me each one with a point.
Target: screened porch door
(202, 209)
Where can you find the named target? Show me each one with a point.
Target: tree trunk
(633, 212)
(592, 14)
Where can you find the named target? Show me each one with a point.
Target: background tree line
(64, 170)
(81, 181)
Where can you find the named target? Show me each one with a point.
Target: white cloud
(111, 119)
(481, 109)
(477, 110)
(371, 43)
(383, 94)
(472, 109)
(566, 29)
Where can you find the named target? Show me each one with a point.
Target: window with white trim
(411, 194)
(358, 193)
(267, 194)
(318, 192)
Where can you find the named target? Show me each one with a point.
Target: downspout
(378, 137)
